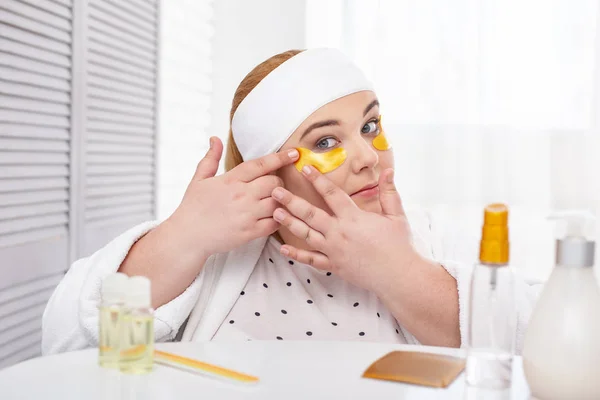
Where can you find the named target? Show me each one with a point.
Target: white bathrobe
(70, 321)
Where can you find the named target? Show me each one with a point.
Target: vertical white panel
(186, 69)
(120, 73)
(35, 122)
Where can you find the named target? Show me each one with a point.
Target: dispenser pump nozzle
(574, 248)
(494, 246)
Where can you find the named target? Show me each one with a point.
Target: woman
(304, 236)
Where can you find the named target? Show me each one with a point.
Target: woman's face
(350, 123)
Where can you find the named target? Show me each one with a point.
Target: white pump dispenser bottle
(561, 353)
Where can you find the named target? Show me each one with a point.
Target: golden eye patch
(323, 162)
(380, 141)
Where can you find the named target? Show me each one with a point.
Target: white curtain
(484, 101)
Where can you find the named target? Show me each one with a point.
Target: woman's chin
(371, 205)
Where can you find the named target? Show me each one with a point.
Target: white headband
(275, 108)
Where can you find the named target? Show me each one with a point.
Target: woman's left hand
(364, 248)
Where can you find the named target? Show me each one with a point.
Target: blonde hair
(232, 155)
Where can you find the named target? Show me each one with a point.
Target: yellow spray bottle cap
(494, 247)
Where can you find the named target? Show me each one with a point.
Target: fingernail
(293, 154)
(306, 170)
(285, 251)
(279, 215)
(211, 142)
(277, 194)
(390, 177)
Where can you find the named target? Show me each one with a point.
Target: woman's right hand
(218, 214)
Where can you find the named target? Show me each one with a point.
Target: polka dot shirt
(287, 300)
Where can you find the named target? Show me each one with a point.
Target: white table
(287, 370)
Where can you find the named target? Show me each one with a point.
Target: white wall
(204, 57)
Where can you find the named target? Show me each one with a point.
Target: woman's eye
(370, 127)
(326, 143)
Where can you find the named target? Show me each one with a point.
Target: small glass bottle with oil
(109, 320)
(137, 334)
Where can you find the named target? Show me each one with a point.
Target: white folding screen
(78, 95)
(35, 130)
(118, 168)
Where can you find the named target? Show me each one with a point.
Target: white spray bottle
(561, 352)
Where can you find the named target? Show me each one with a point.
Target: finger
(312, 258)
(338, 200)
(208, 166)
(298, 228)
(390, 200)
(263, 187)
(266, 207)
(265, 227)
(313, 216)
(250, 170)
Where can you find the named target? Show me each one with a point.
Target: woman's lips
(367, 191)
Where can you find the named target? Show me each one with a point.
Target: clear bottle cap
(114, 287)
(138, 293)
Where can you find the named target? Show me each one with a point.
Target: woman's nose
(364, 155)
